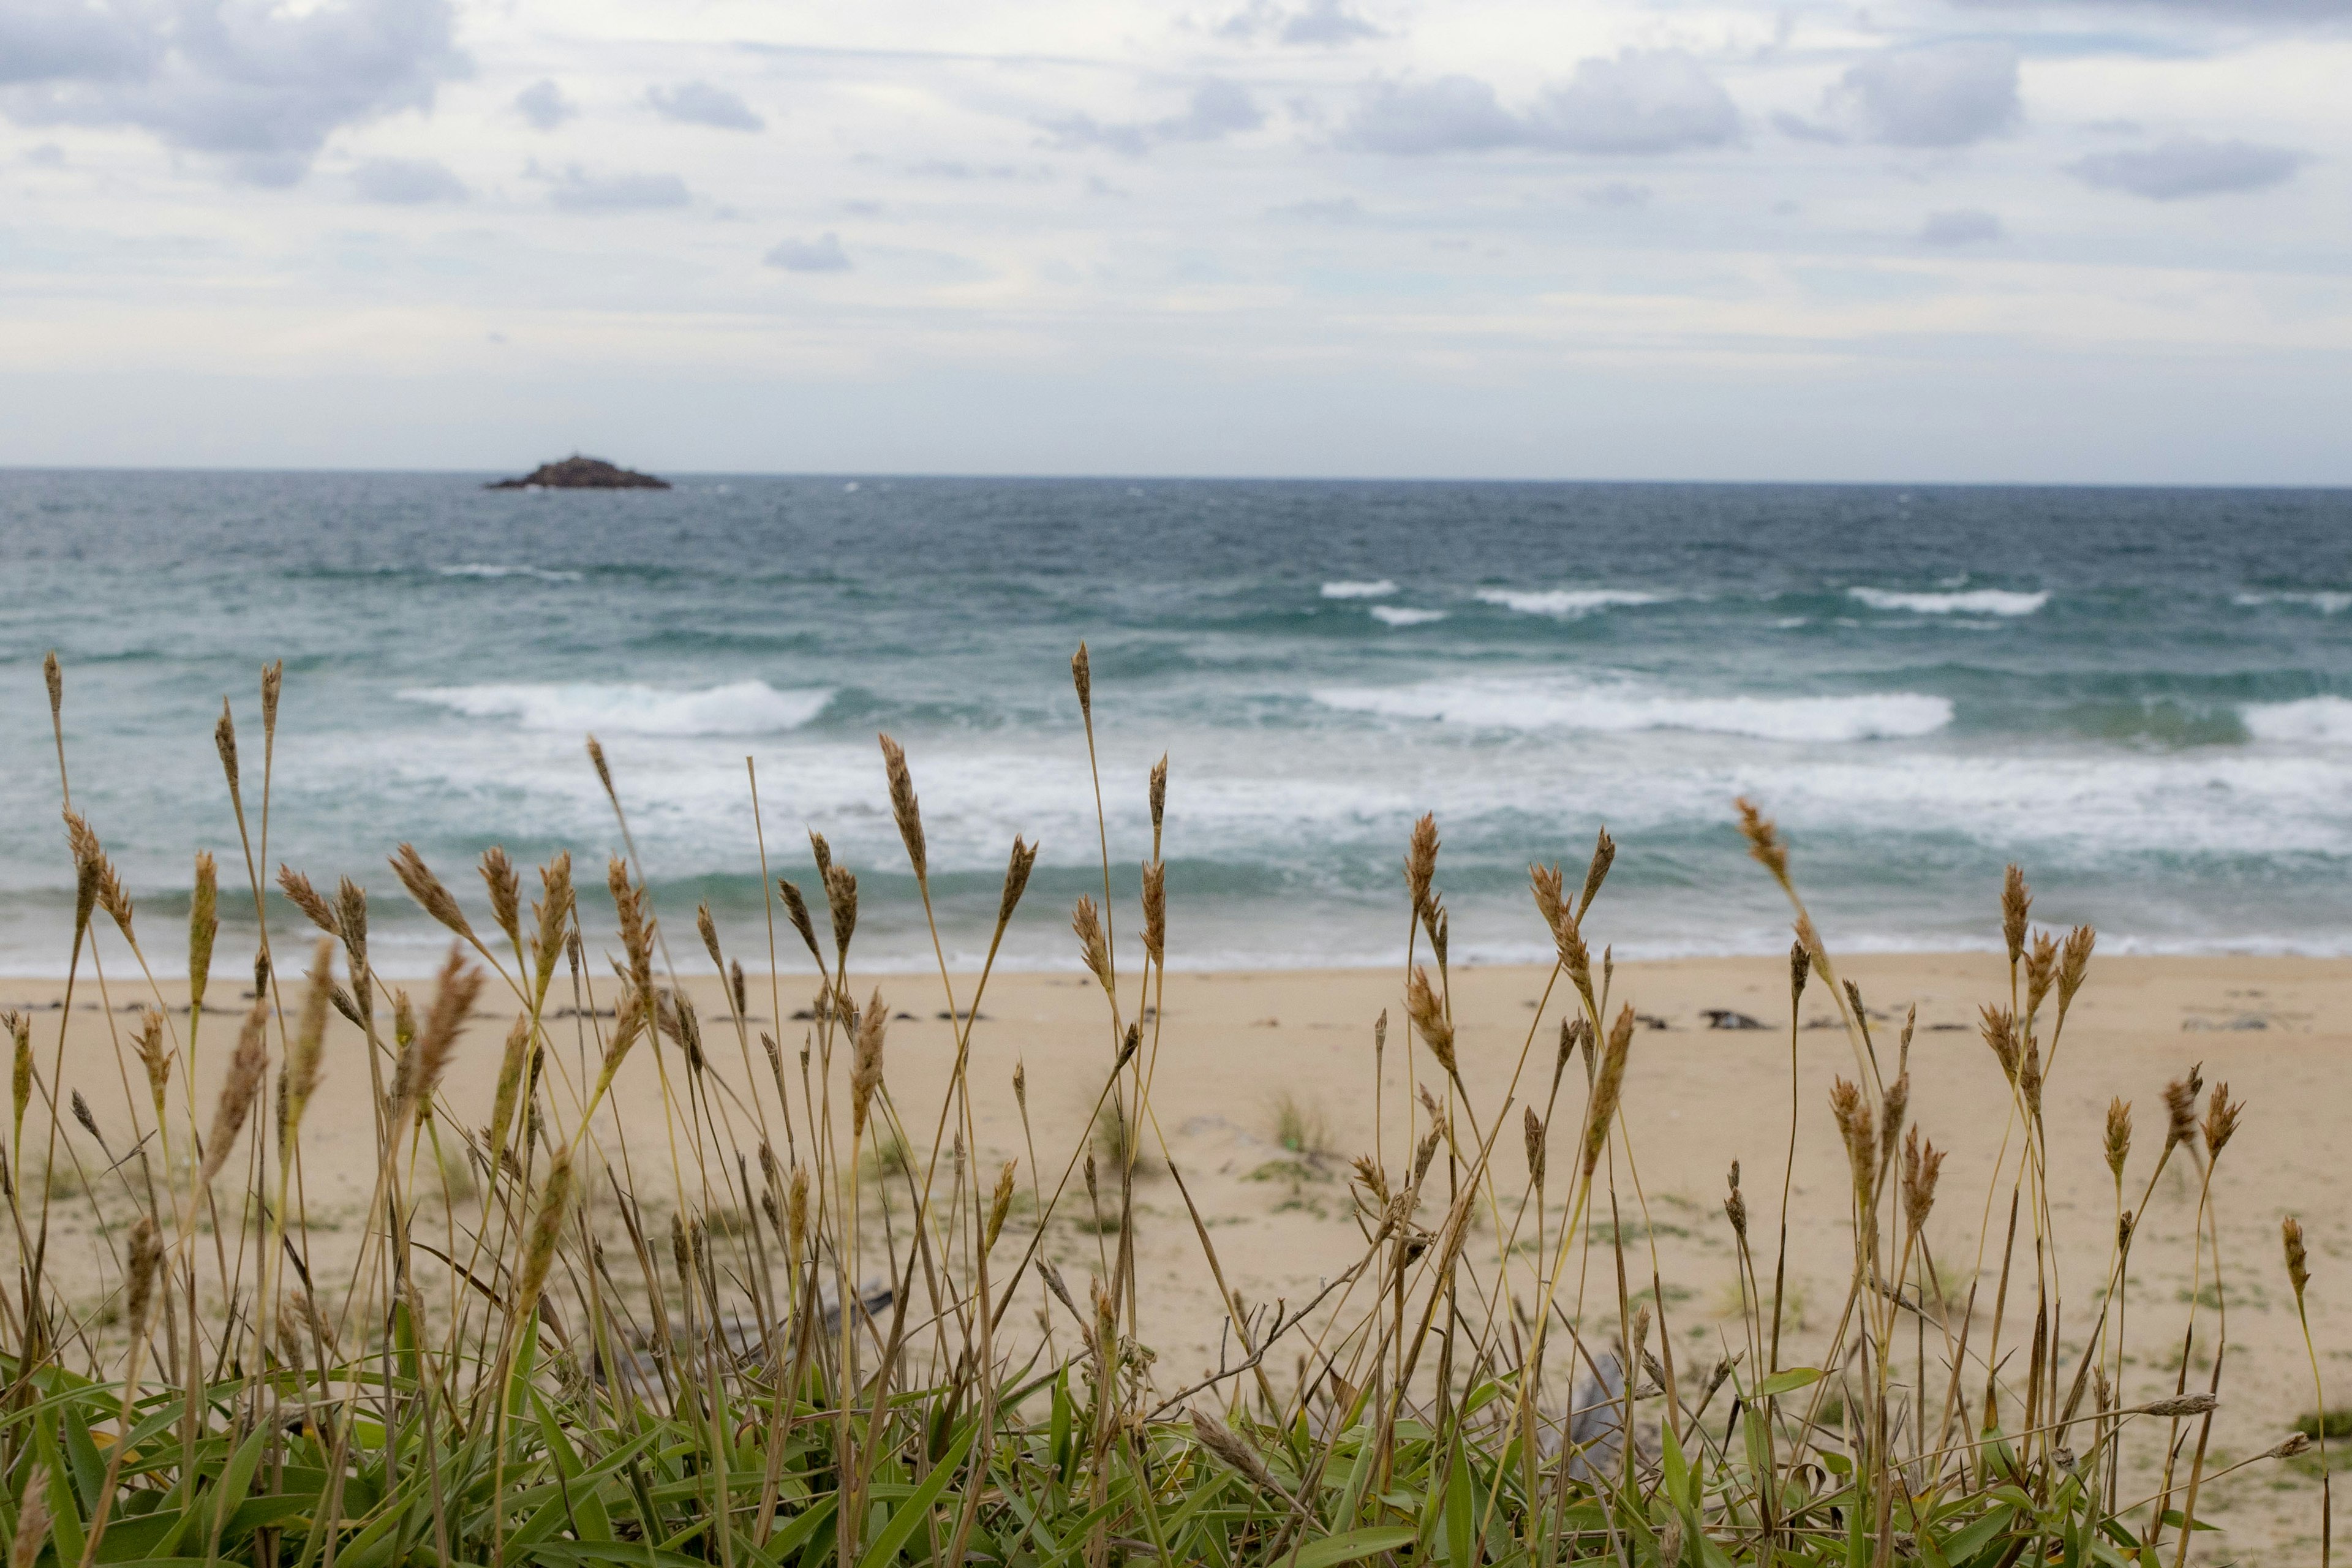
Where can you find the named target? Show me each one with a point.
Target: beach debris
(1651, 1021)
(1726, 1018)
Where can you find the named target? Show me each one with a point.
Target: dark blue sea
(2143, 696)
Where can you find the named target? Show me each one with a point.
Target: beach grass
(813, 1324)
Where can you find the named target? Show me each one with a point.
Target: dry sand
(1697, 1097)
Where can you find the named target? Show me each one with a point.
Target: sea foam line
(1566, 603)
(738, 708)
(1530, 706)
(1969, 602)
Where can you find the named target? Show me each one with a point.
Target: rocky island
(578, 473)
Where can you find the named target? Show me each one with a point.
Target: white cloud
(1218, 108)
(2178, 170)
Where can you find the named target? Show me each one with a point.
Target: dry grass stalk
(204, 928)
(427, 889)
(904, 808)
(505, 885)
(245, 1067)
(1427, 1011)
(865, 1074)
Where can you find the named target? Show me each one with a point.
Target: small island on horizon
(578, 473)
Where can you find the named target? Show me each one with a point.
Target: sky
(1998, 240)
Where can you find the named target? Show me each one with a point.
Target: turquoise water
(2145, 696)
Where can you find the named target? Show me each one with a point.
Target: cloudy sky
(2104, 240)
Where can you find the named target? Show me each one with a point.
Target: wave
(1968, 602)
(1526, 706)
(484, 569)
(2327, 602)
(2326, 721)
(1380, 590)
(1402, 615)
(739, 708)
(1566, 604)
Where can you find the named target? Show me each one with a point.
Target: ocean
(2142, 696)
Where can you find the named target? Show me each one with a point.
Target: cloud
(48, 155)
(1619, 196)
(700, 103)
(1218, 108)
(1324, 23)
(406, 182)
(1961, 225)
(1641, 102)
(823, 254)
(1347, 209)
(1644, 101)
(576, 190)
(2177, 170)
(544, 104)
(2221, 10)
(1940, 95)
(258, 85)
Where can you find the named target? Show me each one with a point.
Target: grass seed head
(1854, 1128)
(841, 901)
(551, 915)
(2040, 970)
(1608, 1087)
(904, 806)
(1427, 1011)
(1764, 841)
(2074, 964)
(2016, 903)
(2220, 1120)
(1082, 676)
(427, 889)
(2119, 1135)
(505, 885)
(2298, 1261)
(999, 1205)
(246, 1067)
(603, 769)
(203, 927)
(20, 1037)
(1155, 910)
(865, 1073)
(1532, 1131)
(796, 908)
(1604, 855)
(1016, 880)
(1545, 883)
(145, 1261)
(273, 680)
(1923, 1166)
(152, 1053)
(1421, 862)
(1800, 969)
(2178, 1406)
(546, 1229)
(304, 1052)
(1998, 1027)
(1094, 947)
(2181, 1111)
(55, 679)
(224, 743)
(33, 1511)
(453, 1004)
(1158, 793)
(511, 1065)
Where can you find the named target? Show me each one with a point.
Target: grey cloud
(1641, 102)
(1347, 209)
(48, 155)
(1804, 130)
(1448, 114)
(406, 182)
(1218, 108)
(1961, 225)
(2186, 168)
(1941, 94)
(544, 104)
(1644, 101)
(1323, 22)
(823, 254)
(2220, 10)
(701, 103)
(956, 169)
(45, 40)
(254, 84)
(577, 190)
(1619, 195)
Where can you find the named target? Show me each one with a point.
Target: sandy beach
(1230, 1046)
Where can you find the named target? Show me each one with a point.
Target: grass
(811, 1357)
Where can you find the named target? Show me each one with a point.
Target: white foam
(739, 708)
(1380, 590)
(486, 569)
(2325, 603)
(1400, 616)
(1565, 603)
(2321, 720)
(1970, 602)
(1495, 704)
